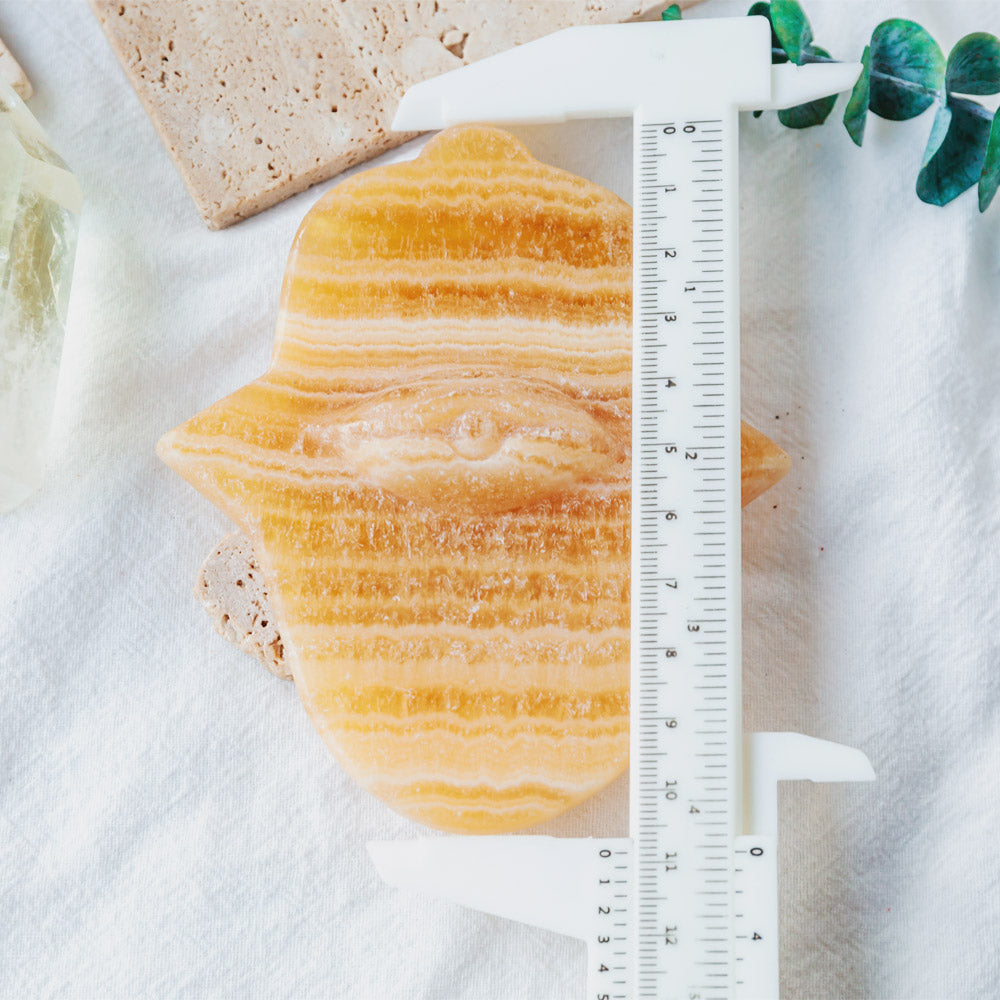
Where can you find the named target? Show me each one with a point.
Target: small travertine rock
(12, 74)
(232, 589)
(257, 101)
(39, 206)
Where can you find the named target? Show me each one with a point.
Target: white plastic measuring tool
(686, 907)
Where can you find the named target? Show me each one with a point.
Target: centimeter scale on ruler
(686, 907)
(687, 741)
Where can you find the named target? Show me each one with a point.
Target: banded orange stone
(434, 471)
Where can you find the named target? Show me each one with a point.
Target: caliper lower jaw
(566, 884)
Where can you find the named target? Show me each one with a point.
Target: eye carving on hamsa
(435, 474)
(476, 443)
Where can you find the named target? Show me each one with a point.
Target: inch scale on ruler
(686, 906)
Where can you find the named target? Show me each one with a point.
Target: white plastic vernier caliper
(686, 907)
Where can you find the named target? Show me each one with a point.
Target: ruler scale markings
(668, 876)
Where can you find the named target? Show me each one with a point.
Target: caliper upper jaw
(603, 71)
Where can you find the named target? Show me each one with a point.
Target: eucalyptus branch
(904, 73)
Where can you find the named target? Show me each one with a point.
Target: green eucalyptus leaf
(939, 130)
(955, 151)
(790, 24)
(813, 112)
(763, 9)
(989, 179)
(907, 70)
(856, 112)
(974, 65)
(672, 13)
(807, 115)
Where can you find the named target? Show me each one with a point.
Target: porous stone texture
(39, 208)
(232, 589)
(258, 101)
(12, 74)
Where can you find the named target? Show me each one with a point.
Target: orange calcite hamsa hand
(434, 472)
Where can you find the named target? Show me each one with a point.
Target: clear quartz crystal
(39, 209)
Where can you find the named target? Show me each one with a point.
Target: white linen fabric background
(170, 824)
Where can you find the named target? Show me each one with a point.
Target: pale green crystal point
(39, 208)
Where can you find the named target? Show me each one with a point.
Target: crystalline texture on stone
(39, 208)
